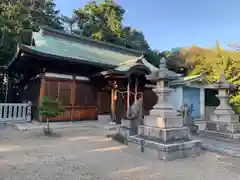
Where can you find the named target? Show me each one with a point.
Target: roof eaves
(149, 65)
(186, 80)
(134, 62)
(14, 57)
(131, 61)
(30, 50)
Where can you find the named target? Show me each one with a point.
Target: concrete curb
(38, 127)
(221, 150)
(13, 125)
(32, 126)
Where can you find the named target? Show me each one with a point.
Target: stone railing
(15, 112)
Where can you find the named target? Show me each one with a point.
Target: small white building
(191, 90)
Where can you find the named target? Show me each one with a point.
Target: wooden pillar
(128, 93)
(73, 98)
(41, 95)
(7, 87)
(113, 100)
(136, 90)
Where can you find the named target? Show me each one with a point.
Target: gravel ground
(85, 154)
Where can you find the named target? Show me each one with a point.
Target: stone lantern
(163, 130)
(224, 119)
(163, 109)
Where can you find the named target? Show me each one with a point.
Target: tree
(70, 21)
(11, 24)
(103, 22)
(19, 15)
(134, 39)
(49, 109)
(45, 14)
(100, 21)
(212, 63)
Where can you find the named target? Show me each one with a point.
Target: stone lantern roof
(162, 73)
(223, 84)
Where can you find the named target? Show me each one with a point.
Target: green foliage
(19, 15)
(103, 22)
(70, 22)
(212, 63)
(50, 108)
(103, 19)
(47, 15)
(100, 21)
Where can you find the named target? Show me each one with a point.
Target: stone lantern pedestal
(224, 121)
(163, 134)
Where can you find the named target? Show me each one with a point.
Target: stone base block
(225, 118)
(165, 151)
(223, 127)
(125, 132)
(163, 122)
(165, 135)
(126, 123)
(201, 125)
(131, 124)
(221, 134)
(104, 119)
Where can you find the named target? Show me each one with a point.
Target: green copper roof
(188, 79)
(84, 52)
(127, 65)
(59, 45)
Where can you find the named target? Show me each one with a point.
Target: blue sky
(177, 23)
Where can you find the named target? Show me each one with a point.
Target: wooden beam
(113, 100)
(136, 90)
(128, 93)
(73, 98)
(74, 86)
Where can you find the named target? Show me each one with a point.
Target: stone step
(219, 144)
(220, 134)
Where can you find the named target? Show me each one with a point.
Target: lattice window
(65, 93)
(51, 89)
(59, 90)
(85, 93)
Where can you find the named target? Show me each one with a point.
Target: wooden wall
(104, 102)
(84, 100)
(79, 98)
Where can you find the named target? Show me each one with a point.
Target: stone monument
(224, 119)
(185, 113)
(133, 119)
(163, 133)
